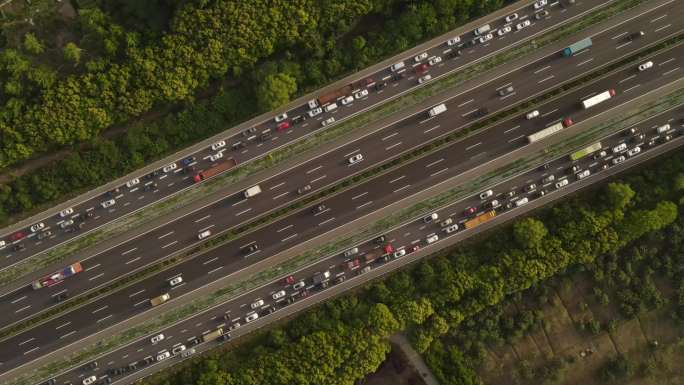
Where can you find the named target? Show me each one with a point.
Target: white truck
(156, 301)
(252, 191)
(596, 99)
(436, 110)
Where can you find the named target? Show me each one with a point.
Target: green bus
(585, 151)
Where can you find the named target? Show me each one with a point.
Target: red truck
(213, 171)
(334, 95)
(57, 276)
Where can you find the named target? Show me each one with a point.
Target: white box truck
(436, 110)
(252, 191)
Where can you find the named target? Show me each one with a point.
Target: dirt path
(415, 359)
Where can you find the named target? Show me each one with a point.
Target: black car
(482, 111)
(251, 248)
(397, 76)
(249, 131)
(19, 247)
(635, 35)
(380, 85)
(191, 342)
(90, 366)
(150, 359)
(226, 337)
(380, 239)
(264, 136)
(318, 209)
(339, 279)
(61, 297)
(238, 145)
(298, 119)
(51, 381)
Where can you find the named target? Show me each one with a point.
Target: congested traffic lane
(133, 359)
(143, 190)
(324, 170)
(339, 209)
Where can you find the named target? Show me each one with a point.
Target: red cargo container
(219, 168)
(334, 95)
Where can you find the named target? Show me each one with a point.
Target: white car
(204, 234)
(523, 24)
(634, 151)
(176, 281)
(163, 355)
(619, 159)
(446, 222)
(108, 203)
(279, 294)
(347, 100)
(37, 227)
(218, 145)
(352, 251)
(2, 244)
(298, 285)
(355, 158)
(532, 114)
(435, 60)
(89, 380)
(66, 224)
(539, 4)
(361, 94)
(400, 253)
(281, 117)
(215, 157)
(251, 317)
(521, 201)
(486, 194)
(257, 304)
(315, 112)
(132, 182)
(178, 349)
(486, 38)
(328, 121)
(512, 17)
(645, 66)
(562, 183)
(420, 57)
(600, 155)
(432, 238)
(504, 30)
(453, 41)
(583, 174)
(620, 147)
(424, 79)
(66, 212)
(313, 103)
(431, 217)
(170, 167)
(450, 229)
(156, 339)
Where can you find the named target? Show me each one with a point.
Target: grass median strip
(264, 220)
(402, 216)
(12, 274)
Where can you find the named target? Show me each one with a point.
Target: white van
(397, 66)
(330, 107)
(663, 128)
(482, 30)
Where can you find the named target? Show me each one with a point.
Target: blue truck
(576, 47)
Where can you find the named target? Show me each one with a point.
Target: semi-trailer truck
(334, 95)
(213, 171)
(550, 130)
(596, 99)
(480, 219)
(160, 299)
(252, 191)
(57, 276)
(576, 47)
(436, 110)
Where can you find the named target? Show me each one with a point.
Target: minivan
(330, 107)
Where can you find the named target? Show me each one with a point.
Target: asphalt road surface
(395, 139)
(346, 271)
(341, 208)
(149, 188)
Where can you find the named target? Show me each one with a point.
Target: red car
(289, 280)
(17, 236)
(283, 126)
(388, 248)
(470, 210)
(421, 68)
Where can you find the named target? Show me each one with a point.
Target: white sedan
(355, 158)
(328, 121)
(170, 167)
(634, 151)
(257, 304)
(204, 234)
(523, 24)
(645, 66)
(453, 41)
(281, 117)
(435, 60)
(619, 159)
(37, 227)
(279, 294)
(315, 112)
(218, 145)
(511, 17)
(132, 182)
(420, 57)
(583, 174)
(178, 349)
(66, 212)
(451, 229)
(347, 100)
(504, 30)
(251, 317)
(562, 183)
(424, 79)
(539, 4)
(163, 355)
(176, 281)
(486, 38)
(432, 238)
(108, 203)
(89, 380)
(400, 253)
(215, 157)
(361, 94)
(156, 339)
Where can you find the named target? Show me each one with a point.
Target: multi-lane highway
(140, 357)
(143, 190)
(351, 204)
(325, 170)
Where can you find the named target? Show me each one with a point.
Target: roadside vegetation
(341, 341)
(163, 74)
